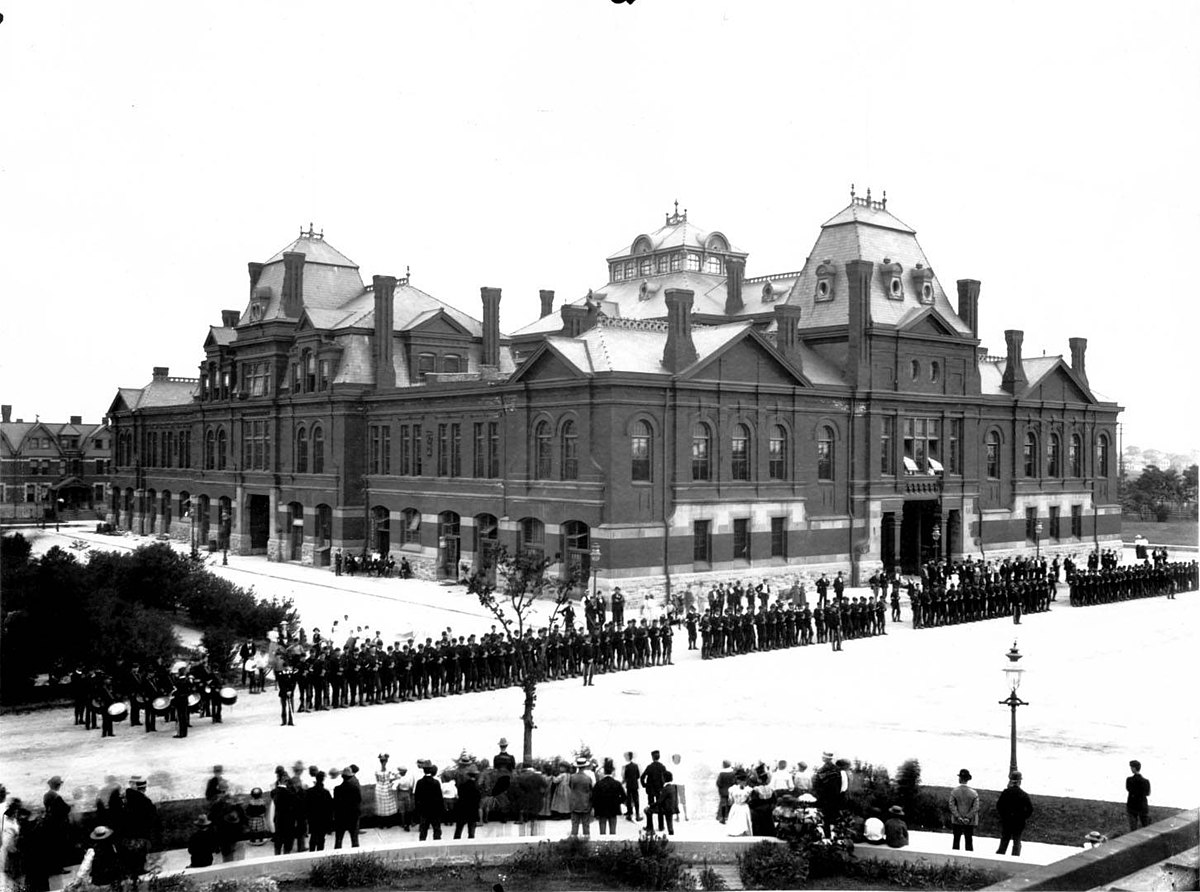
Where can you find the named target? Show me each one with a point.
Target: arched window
(777, 453)
(302, 451)
(570, 451)
(318, 451)
(410, 527)
(1030, 454)
(541, 450)
(935, 370)
(210, 450)
(222, 445)
(713, 265)
(531, 536)
(916, 369)
(640, 452)
(739, 453)
(1054, 457)
(576, 550)
(1102, 456)
(701, 450)
(451, 363)
(1075, 456)
(310, 372)
(992, 457)
(825, 466)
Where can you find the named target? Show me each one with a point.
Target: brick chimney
(161, 372)
(1014, 372)
(735, 274)
(385, 292)
(6, 413)
(1078, 351)
(680, 351)
(491, 326)
(255, 271)
(575, 319)
(293, 283)
(968, 304)
(787, 338)
(229, 318)
(858, 282)
(77, 420)
(547, 298)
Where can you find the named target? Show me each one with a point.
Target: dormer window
(629, 269)
(693, 262)
(826, 272)
(923, 282)
(646, 267)
(663, 263)
(676, 262)
(713, 265)
(617, 273)
(768, 294)
(892, 273)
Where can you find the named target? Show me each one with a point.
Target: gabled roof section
(126, 400)
(738, 333)
(928, 318)
(155, 395)
(1038, 371)
(869, 213)
(411, 307)
(218, 336)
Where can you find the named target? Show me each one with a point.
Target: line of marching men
(103, 701)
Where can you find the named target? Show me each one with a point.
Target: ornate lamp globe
(1012, 672)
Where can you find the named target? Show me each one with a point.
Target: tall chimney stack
(1014, 372)
(255, 271)
(574, 319)
(1078, 351)
(491, 325)
(680, 351)
(293, 283)
(161, 373)
(6, 414)
(735, 274)
(787, 337)
(384, 288)
(76, 419)
(547, 298)
(968, 304)
(858, 282)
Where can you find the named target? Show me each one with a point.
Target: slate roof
(221, 336)
(158, 394)
(679, 234)
(315, 250)
(410, 307)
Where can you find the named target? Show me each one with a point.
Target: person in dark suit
(318, 810)
(428, 797)
(726, 778)
(1014, 809)
(1137, 803)
(631, 774)
(347, 809)
(607, 798)
(466, 805)
(654, 779)
(179, 701)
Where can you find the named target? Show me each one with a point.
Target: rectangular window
(1055, 511)
(323, 374)
(701, 469)
(426, 363)
(256, 447)
(380, 459)
(662, 263)
(493, 449)
(1031, 521)
(954, 453)
(416, 450)
(443, 455)
(676, 262)
(1077, 521)
(405, 451)
(887, 441)
(779, 537)
(741, 539)
(456, 450)
(701, 542)
(922, 445)
(479, 453)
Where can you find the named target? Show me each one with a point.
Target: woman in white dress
(737, 823)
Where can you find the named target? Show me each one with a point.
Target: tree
(523, 582)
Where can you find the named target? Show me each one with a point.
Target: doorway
(917, 542)
(260, 524)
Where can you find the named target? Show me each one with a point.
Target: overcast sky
(150, 150)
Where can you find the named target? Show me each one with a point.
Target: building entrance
(260, 523)
(917, 542)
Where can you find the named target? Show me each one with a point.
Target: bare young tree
(519, 582)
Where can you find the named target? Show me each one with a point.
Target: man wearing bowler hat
(1014, 809)
(964, 811)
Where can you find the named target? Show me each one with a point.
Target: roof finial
(676, 207)
(852, 192)
(407, 272)
(868, 194)
(885, 199)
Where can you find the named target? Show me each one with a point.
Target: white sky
(149, 150)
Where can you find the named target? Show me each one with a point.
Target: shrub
(709, 880)
(769, 865)
(650, 864)
(921, 874)
(172, 882)
(351, 872)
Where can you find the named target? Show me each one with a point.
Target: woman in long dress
(737, 823)
(560, 800)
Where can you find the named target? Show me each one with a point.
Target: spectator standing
(504, 761)
(607, 798)
(385, 793)
(630, 775)
(466, 806)
(139, 826)
(428, 796)
(1137, 802)
(56, 827)
(404, 797)
(580, 784)
(1014, 809)
(653, 779)
(964, 811)
(318, 810)
(347, 809)
(726, 778)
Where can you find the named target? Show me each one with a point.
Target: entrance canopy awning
(70, 483)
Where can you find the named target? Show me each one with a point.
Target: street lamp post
(225, 538)
(1037, 538)
(1012, 674)
(937, 539)
(595, 566)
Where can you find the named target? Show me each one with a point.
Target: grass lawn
(1172, 532)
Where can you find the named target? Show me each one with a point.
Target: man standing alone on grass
(1137, 805)
(964, 811)
(1014, 809)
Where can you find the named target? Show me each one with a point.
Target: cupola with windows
(678, 246)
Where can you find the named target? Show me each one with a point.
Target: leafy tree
(523, 583)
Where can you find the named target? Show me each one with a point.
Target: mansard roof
(676, 232)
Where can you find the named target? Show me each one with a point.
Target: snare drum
(160, 706)
(118, 712)
(228, 696)
(193, 702)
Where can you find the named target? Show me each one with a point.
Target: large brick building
(53, 469)
(681, 422)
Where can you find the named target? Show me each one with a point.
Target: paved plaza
(1105, 684)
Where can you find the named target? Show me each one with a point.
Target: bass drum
(228, 696)
(118, 712)
(160, 706)
(193, 702)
